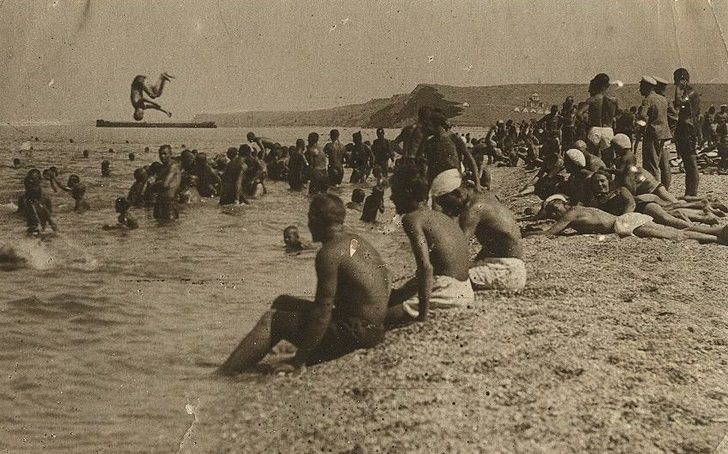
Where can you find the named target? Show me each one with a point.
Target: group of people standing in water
(589, 181)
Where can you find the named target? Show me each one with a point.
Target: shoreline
(632, 360)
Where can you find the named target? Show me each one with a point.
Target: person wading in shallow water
(347, 312)
(166, 186)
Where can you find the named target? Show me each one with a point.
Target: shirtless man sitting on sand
(440, 249)
(139, 86)
(499, 264)
(587, 220)
(348, 310)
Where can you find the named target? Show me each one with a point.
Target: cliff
(465, 106)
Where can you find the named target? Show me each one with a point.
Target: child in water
(373, 204)
(138, 188)
(293, 242)
(125, 219)
(357, 199)
(105, 168)
(35, 206)
(77, 190)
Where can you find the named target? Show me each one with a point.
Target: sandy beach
(616, 345)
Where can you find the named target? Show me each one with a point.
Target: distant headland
(465, 106)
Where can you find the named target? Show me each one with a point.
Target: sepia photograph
(338, 226)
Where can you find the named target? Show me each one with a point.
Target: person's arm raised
(319, 316)
(421, 250)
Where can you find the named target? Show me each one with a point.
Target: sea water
(109, 338)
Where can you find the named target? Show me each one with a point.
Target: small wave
(25, 253)
(45, 255)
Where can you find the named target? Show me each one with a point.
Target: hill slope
(465, 106)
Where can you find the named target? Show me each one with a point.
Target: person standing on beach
(139, 86)
(167, 186)
(334, 151)
(687, 130)
(347, 312)
(598, 114)
(654, 111)
(440, 249)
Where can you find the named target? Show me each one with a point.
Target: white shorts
(600, 137)
(625, 224)
(499, 274)
(447, 293)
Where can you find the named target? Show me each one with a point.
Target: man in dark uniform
(687, 132)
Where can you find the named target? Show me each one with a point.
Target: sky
(75, 60)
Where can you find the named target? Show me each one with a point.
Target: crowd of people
(585, 172)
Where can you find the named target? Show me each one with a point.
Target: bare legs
(284, 321)
(155, 91)
(652, 230)
(664, 218)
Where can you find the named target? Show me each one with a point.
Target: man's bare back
(448, 249)
(493, 224)
(362, 288)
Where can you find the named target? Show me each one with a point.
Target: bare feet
(166, 75)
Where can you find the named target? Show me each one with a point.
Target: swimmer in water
(374, 203)
(35, 206)
(105, 168)
(77, 190)
(293, 241)
(139, 86)
(357, 200)
(125, 219)
(138, 188)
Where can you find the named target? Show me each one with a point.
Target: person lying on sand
(440, 249)
(292, 240)
(588, 220)
(619, 201)
(348, 310)
(499, 264)
(139, 86)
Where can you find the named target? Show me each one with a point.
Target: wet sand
(616, 345)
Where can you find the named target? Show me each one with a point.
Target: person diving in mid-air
(141, 85)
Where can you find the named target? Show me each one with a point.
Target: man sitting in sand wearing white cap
(440, 249)
(576, 186)
(499, 264)
(588, 220)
